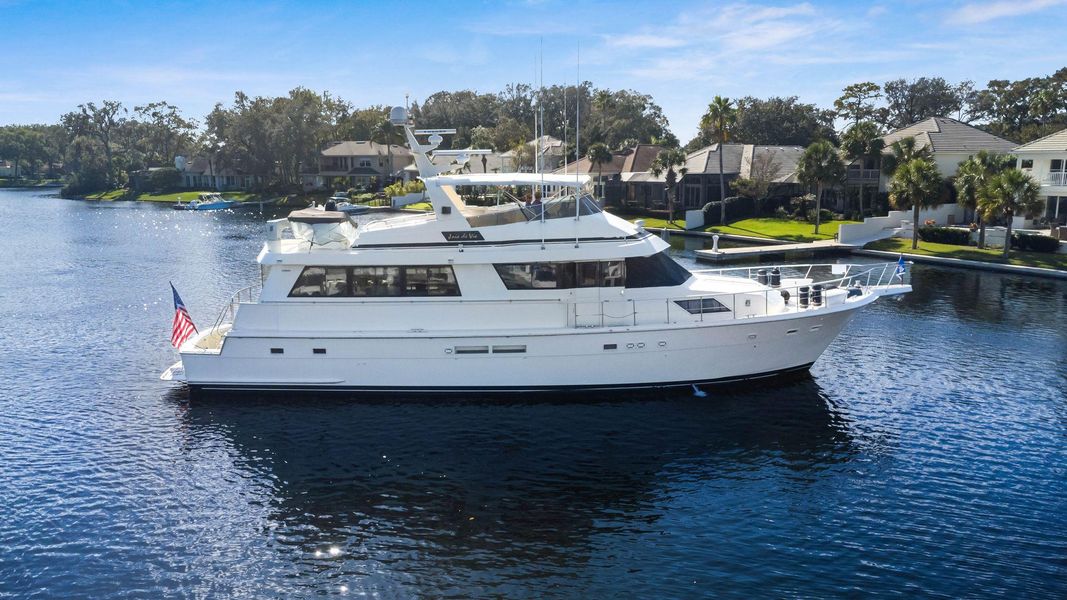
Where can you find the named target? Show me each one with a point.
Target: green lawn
(781, 229)
(424, 206)
(678, 224)
(184, 196)
(1046, 260)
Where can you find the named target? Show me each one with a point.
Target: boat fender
(776, 277)
(761, 277)
(816, 294)
(802, 296)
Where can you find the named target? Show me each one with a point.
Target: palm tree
(973, 175)
(1007, 194)
(915, 183)
(863, 142)
(385, 132)
(718, 121)
(598, 155)
(902, 151)
(820, 166)
(667, 160)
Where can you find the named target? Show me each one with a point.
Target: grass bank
(1046, 260)
(183, 196)
(781, 229)
(766, 227)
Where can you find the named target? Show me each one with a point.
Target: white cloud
(981, 12)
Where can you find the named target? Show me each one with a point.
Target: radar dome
(398, 115)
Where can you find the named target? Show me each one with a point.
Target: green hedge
(1034, 243)
(945, 235)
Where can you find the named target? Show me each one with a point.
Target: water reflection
(508, 481)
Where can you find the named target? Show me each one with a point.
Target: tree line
(98, 144)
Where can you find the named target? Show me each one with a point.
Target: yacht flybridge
(547, 294)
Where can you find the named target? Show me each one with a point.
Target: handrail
(229, 312)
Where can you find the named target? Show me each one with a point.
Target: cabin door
(588, 311)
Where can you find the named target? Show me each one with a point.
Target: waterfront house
(9, 169)
(625, 180)
(360, 164)
(203, 173)
(628, 182)
(950, 142)
(552, 154)
(701, 182)
(1045, 159)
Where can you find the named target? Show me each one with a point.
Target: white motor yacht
(517, 297)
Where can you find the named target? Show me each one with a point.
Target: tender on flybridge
(532, 288)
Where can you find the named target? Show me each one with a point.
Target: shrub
(781, 213)
(799, 205)
(164, 179)
(1034, 243)
(945, 235)
(737, 207)
(824, 216)
(400, 188)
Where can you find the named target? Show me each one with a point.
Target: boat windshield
(553, 208)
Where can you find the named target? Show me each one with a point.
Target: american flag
(183, 327)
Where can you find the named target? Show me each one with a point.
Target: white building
(1046, 161)
(950, 142)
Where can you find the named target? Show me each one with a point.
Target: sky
(56, 55)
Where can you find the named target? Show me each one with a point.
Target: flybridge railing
(242, 296)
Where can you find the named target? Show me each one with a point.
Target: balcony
(1055, 178)
(863, 174)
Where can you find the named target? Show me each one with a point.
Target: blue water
(926, 454)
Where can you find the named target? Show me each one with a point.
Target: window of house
(1026, 163)
(1056, 165)
(321, 282)
(364, 162)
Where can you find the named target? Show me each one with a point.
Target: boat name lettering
(463, 236)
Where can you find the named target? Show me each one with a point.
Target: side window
(1026, 163)
(613, 273)
(1056, 165)
(430, 281)
(516, 277)
(321, 281)
(376, 281)
(588, 274)
(553, 275)
(702, 305)
(658, 270)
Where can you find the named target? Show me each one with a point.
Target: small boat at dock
(206, 202)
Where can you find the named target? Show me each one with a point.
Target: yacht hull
(559, 361)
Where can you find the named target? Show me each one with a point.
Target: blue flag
(900, 268)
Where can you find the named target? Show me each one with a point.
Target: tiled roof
(364, 149)
(1057, 142)
(942, 134)
(787, 158)
(706, 160)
